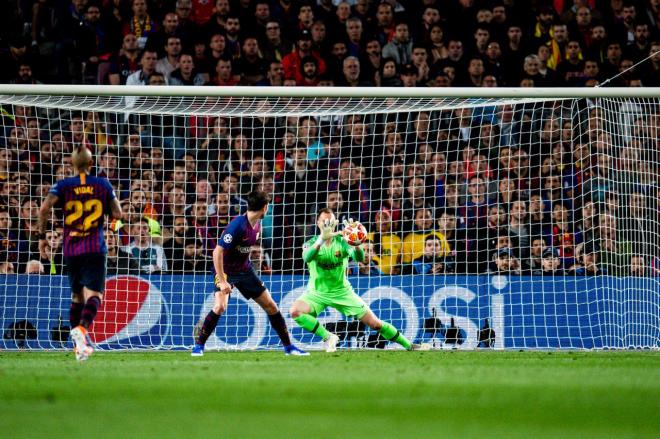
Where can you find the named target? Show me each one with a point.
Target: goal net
(527, 221)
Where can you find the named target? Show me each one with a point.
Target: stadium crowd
(550, 188)
(473, 43)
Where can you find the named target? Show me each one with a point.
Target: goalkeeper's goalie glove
(328, 229)
(350, 223)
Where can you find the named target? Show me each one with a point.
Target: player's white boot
(331, 343)
(420, 347)
(82, 348)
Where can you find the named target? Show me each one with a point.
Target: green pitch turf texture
(373, 394)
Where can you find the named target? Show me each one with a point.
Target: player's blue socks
(279, 325)
(74, 313)
(210, 322)
(89, 311)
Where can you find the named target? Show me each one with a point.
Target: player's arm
(355, 253)
(311, 249)
(115, 209)
(220, 281)
(44, 212)
(228, 240)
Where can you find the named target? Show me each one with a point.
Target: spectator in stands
(251, 65)
(260, 260)
(355, 33)
(7, 267)
(118, 261)
(533, 262)
(310, 76)
(217, 23)
(432, 261)
(158, 41)
(638, 224)
(587, 261)
(217, 49)
(368, 265)
(195, 258)
(34, 267)
(614, 254)
(186, 25)
(140, 24)
(148, 62)
(24, 74)
(149, 256)
(639, 267)
(384, 25)
(275, 47)
(175, 243)
(563, 235)
(550, 263)
(387, 245)
(518, 228)
(186, 74)
(274, 75)
(224, 73)
(414, 242)
(293, 60)
(351, 74)
(504, 262)
(400, 47)
(229, 185)
(170, 62)
(388, 75)
(612, 61)
(651, 70)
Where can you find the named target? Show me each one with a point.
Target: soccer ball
(354, 234)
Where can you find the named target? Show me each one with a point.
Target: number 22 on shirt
(89, 210)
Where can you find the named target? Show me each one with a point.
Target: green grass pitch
(370, 394)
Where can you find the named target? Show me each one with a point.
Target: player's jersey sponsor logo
(328, 265)
(243, 249)
(228, 238)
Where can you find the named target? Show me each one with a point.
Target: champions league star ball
(354, 234)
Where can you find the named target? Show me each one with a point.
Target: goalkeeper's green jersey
(327, 266)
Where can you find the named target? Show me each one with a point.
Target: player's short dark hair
(256, 200)
(325, 210)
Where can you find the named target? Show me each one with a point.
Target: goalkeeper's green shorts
(349, 304)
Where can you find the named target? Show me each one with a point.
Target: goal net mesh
(493, 223)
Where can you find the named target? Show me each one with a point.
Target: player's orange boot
(82, 348)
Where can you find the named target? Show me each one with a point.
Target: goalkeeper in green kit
(327, 258)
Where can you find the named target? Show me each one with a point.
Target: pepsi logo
(131, 307)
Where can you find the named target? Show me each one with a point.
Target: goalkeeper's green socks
(392, 334)
(310, 323)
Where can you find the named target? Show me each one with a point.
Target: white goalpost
(498, 218)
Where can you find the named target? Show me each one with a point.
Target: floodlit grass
(374, 394)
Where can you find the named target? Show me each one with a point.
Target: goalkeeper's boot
(331, 343)
(420, 347)
(82, 346)
(294, 350)
(197, 350)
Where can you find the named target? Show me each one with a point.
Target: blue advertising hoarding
(160, 312)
